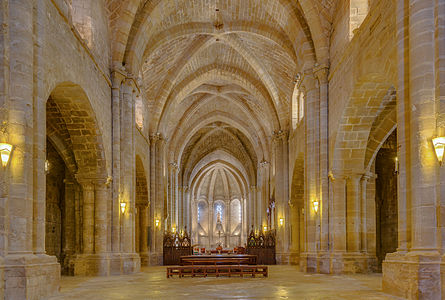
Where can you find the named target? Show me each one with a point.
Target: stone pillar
(69, 223)
(143, 233)
(127, 174)
(100, 217)
(28, 272)
(321, 73)
(87, 216)
(264, 176)
(282, 195)
(157, 196)
(353, 200)
(415, 271)
(117, 95)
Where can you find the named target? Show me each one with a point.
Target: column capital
(321, 71)
(173, 166)
(118, 75)
(90, 181)
(156, 137)
(280, 135)
(308, 80)
(264, 163)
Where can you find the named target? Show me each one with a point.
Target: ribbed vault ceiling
(218, 76)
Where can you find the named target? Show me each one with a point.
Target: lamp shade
(5, 153)
(439, 147)
(123, 207)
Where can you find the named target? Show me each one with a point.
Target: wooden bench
(238, 259)
(217, 270)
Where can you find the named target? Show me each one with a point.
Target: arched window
(297, 107)
(358, 10)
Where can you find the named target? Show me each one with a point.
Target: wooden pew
(217, 270)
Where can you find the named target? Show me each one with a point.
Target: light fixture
(439, 147)
(47, 166)
(396, 168)
(157, 222)
(281, 221)
(5, 152)
(265, 228)
(123, 207)
(173, 229)
(316, 204)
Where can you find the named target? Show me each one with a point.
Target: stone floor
(284, 282)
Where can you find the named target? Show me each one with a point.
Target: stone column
(310, 89)
(117, 95)
(414, 271)
(87, 216)
(157, 196)
(143, 225)
(127, 167)
(264, 175)
(338, 228)
(69, 223)
(353, 201)
(100, 217)
(321, 73)
(282, 194)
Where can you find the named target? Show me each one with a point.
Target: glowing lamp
(439, 147)
(265, 228)
(47, 166)
(316, 204)
(123, 207)
(5, 152)
(281, 221)
(173, 229)
(157, 222)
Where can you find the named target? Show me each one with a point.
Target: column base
(105, 264)
(145, 259)
(414, 275)
(156, 259)
(337, 263)
(30, 276)
(287, 258)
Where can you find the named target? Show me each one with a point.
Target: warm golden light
(396, 168)
(173, 229)
(123, 207)
(5, 152)
(157, 222)
(265, 228)
(316, 204)
(281, 221)
(47, 166)
(439, 147)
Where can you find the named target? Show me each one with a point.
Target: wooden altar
(175, 246)
(263, 246)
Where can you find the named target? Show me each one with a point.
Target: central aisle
(284, 282)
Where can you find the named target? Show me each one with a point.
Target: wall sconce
(173, 229)
(439, 147)
(47, 166)
(157, 223)
(123, 207)
(281, 221)
(315, 204)
(5, 152)
(265, 228)
(396, 167)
